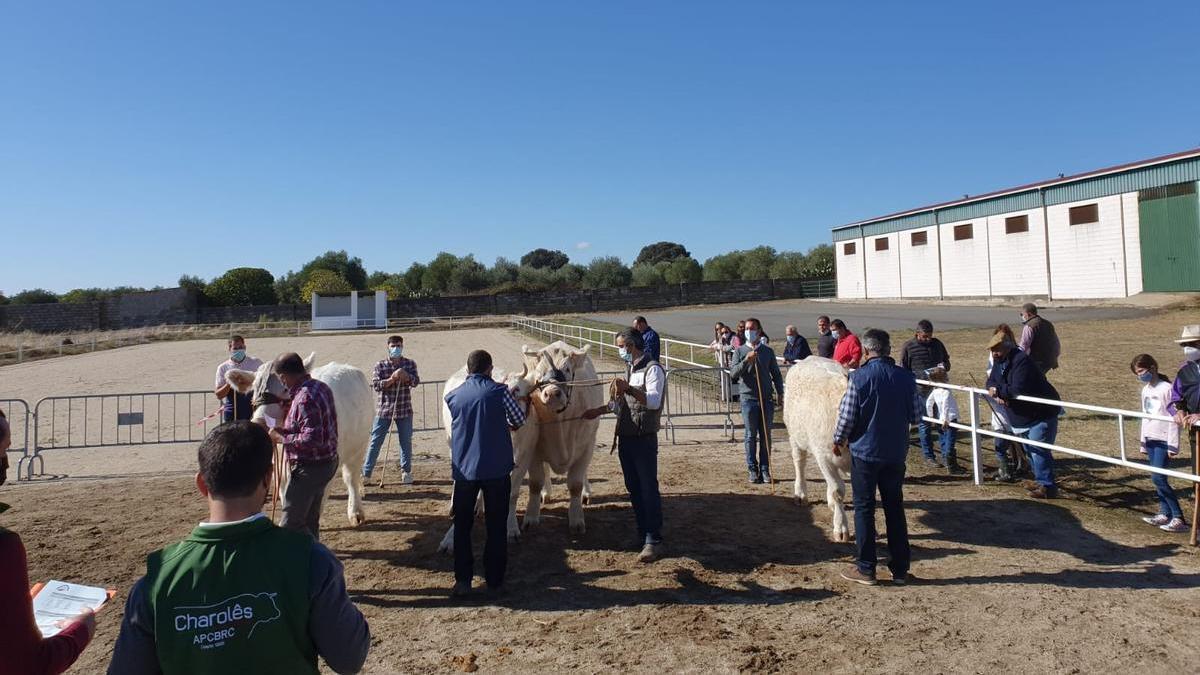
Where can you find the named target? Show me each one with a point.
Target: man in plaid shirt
(309, 437)
(393, 380)
(880, 403)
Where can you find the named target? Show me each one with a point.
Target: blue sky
(143, 140)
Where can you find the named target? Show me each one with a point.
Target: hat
(997, 340)
(1190, 334)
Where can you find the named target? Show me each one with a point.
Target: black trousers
(496, 492)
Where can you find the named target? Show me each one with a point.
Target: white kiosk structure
(349, 310)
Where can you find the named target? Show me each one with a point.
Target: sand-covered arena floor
(749, 582)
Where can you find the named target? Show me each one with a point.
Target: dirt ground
(750, 581)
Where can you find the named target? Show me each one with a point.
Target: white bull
(353, 402)
(813, 392)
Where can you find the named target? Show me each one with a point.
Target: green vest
(233, 599)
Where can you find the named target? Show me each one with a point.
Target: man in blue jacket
(880, 403)
(649, 337)
(482, 412)
(1014, 375)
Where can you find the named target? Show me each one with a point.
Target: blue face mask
(835, 334)
(1146, 377)
(395, 352)
(625, 355)
(238, 355)
(791, 339)
(751, 336)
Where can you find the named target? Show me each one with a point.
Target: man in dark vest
(1014, 374)
(825, 340)
(240, 595)
(873, 419)
(1038, 339)
(920, 354)
(638, 406)
(1185, 391)
(482, 413)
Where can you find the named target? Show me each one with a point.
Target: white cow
(559, 383)
(353, 403)
(813, 391)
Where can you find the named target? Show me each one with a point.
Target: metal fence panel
(16, 411)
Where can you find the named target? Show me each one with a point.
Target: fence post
(20, 351)
(976, 463)
(93, 343)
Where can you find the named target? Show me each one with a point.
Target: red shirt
(848, 351)
(310, 429)
(25, 651)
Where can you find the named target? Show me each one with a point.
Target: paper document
(59, 600)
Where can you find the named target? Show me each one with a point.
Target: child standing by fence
(941, 404)
(1159, 441)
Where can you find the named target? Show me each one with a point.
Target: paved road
(696, 323)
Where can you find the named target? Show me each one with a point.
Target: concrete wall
(1088, 261)
(965, 262)
(921, 276)
(1019, 259)
(849, 270)
(883, 267)
(1133, 241)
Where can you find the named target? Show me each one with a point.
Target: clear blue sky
(140, 141)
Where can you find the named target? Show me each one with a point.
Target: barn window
(964, 232)
(1016, 224)
(920, 238)
(1082, 215)
(848, 249)
(881, 244)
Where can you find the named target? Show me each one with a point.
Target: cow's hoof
(843, 537)
(514, 536)
(801, 500)
(530, 522)
(578, 528)
(357, 519)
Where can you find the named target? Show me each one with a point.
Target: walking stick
(762, 415)
(277, 453)
(387, 450)
(1195, 486)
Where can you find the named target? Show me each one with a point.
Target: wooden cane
(277, 453)
(1195, 486)
(762, 415)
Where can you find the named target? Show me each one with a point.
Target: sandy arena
(749, 582)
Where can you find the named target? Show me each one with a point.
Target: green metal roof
(1169, 170)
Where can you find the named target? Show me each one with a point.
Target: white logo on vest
(214, 625)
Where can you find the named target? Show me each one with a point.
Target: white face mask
(1191, 353)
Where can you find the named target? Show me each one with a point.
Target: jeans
(867, 477)
(753, 422)
(496, 492)
(304, 494)
(379, 431)
(1040, 459)
(924, 432)
(1168, 503)
(1002, 450)
(946, 439)
(639, 465)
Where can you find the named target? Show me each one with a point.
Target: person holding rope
(235, 406)
(1014, 374)
(393, 380)
(240, 594)
(637, 402)
(1185, 405)
(756, 361)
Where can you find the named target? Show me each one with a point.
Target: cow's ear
(242, 380)
(582, 350)
(308, 362)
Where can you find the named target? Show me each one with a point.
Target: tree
(3, 299)
(788, 265)
(393, 284)
(663, 251)
(339, 262)
(33, 296)
(569, 276)
(287, 288)
(534, 279)
(756, 263)
(196, 285)
(543, 258)
(645, 274)
(724, 267)
(243, 286)
(503, 273)
(819, 262)
(413, 276)
(436, 278)
(681, 271)
(81, 295)
(468, 276)
(606, 272)
(325, 282)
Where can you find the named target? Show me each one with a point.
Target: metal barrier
(16, 411)
(673, 351)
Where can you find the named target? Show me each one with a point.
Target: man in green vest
(240, 595)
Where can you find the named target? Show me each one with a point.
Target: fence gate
(16, 411)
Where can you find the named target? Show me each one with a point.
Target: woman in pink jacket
(1159, 441)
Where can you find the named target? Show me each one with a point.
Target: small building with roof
(1109, 233)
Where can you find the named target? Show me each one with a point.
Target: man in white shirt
(237, 406)
(638, 406)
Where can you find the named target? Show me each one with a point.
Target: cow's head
(266, 390)
(551, 370)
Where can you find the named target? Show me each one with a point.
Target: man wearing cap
(1039, 339)
(1185, 391)
(1015, 374)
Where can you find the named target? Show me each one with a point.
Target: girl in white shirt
(941, 404)
(1159, 441)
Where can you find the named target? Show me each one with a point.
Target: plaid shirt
(394, 402)
(310, 429)
(848, 413)
(512, 410)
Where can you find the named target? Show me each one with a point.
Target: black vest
(1189, 384)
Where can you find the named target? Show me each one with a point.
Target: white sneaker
(1157, 521)
(407, 478)
(1176, 525)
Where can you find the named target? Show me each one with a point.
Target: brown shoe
(1043, 492)
(1030, 484)
(857, 576)
(903, 580)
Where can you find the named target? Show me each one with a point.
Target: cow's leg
(352, 477)
(447, 545)
(576, 479)
(587, 492)
(799, 459)
(514, 529)
(835, 495)
(537, 480)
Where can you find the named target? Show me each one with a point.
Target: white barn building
(1109, 233)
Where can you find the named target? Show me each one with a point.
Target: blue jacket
(1016, 376)
(652, 344)
(480, 444)
(797, 351)
(884, 400)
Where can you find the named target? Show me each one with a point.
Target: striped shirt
(394, 401)
(310, 429)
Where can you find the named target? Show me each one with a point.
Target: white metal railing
(603, 339)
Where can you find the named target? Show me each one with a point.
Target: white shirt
(941, 404)
(1155, 398)
(251, 519)
(651, 378)
(249, 363)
